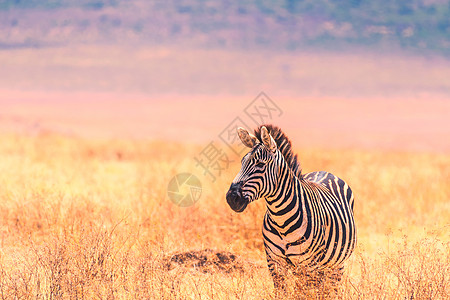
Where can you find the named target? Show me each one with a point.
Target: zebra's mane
(284, 145)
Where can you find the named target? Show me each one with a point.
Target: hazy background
(354, 73)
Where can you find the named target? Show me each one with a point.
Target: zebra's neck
(285, 205)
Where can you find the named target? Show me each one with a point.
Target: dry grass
(91, 219)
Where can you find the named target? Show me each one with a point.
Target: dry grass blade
(79, 221)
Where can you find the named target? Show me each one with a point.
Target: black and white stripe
(309, 221)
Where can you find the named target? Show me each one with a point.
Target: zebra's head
(259, 167)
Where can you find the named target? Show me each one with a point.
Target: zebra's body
(307, 235)
(309, 221)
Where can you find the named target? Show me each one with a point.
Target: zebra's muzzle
(235, 200)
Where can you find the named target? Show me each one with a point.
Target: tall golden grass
(84, 219)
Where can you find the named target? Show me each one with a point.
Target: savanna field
(91, 219)
(104, 102)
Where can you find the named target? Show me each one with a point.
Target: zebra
(309, 222)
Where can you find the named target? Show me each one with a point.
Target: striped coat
(309, 224)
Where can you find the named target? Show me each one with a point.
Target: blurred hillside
(419, 26)
(377, 71)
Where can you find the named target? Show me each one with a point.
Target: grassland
(85, 219)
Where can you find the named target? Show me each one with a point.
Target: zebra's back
(333, 184)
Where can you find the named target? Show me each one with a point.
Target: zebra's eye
(260, 164)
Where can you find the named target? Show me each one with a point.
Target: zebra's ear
(247, 138)
(268, 140)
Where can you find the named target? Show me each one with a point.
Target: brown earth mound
(206, 261)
